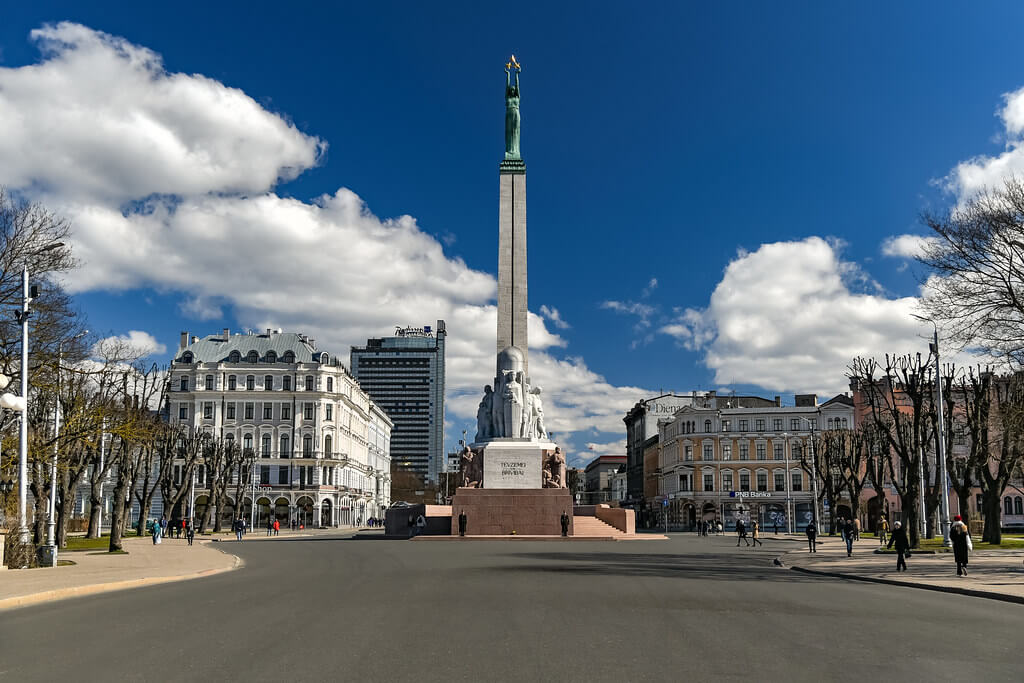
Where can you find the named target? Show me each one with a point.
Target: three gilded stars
(512, 63)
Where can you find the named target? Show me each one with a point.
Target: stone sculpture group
(513, 409)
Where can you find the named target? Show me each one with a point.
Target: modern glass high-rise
(404, 375)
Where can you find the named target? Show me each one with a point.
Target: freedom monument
(512, 475)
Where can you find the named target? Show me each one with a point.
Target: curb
(1002, 597)
(96, 588)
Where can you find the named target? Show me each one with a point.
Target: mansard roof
(216, 348)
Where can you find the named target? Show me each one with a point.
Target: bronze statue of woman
(512, 111)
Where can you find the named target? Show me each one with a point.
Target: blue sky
(710, 186)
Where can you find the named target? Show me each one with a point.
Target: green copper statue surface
(512, 110)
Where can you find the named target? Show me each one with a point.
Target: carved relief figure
(513, 401)
(537, 415)
(554, 470)
(484, 419)
(469, 467)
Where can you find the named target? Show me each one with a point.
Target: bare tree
(897, 397)
(978, 258)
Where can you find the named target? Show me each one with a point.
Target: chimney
(269, 331)
(194, 339)
(227, 334)
(778, 401)
(184, 341)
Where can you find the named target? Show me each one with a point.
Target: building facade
(405, 375)
(598, 478)
(642, 435)
(321, 445)
(724, 464)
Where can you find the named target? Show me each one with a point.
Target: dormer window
(187, 357)
(271, 357)
(288, 357)
(252, 357)
(235, 357)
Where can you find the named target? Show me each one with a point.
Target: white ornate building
(322, 446)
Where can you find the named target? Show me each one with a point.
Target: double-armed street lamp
(933, 348)
(814, 470)
(28, 295)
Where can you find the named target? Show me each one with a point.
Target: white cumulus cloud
(786, 318)
(906, 246)
(134, 343)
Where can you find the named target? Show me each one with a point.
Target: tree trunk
(95, 509)
(145, 503)
(964, 505)
(117, 512)
(911, 516)
(992, 509)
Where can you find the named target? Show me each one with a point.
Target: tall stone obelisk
(512, 304)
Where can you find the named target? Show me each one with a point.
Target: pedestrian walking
(741, 533)
(883, 530)
(812, 537)
(190, 532)
(163, 527)
(239, 527)
(754, 533)
(277, 526)
(902, 543)
(156, 531)
(462, 522)
(565, 523)
(856, 529)
(270, 527)
(960, 535)
(848, 532)
(776, 522)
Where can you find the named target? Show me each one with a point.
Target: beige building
(743, 463)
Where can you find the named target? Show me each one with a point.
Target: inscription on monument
(512, 468)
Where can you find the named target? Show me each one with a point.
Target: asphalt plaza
(340, 609)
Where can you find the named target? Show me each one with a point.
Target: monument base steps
(499, 512)
(593, 527)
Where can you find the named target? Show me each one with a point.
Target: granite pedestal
(499, 512)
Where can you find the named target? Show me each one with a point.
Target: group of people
(374, 522)
(741, 533)
(706, 527)
(161, 529)
(959, 535)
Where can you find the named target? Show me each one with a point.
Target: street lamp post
(814, 471)
(22, 316)
(933, 347)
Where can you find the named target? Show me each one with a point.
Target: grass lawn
(1010, 542)
(81, 543)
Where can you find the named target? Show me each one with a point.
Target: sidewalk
(99, 572)
(997, 574)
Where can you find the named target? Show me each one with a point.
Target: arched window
(307, 447)
(234, 357)
(707, 426)
(187, 357)
(265, 445)
(330, 384)
(252, 357)
(250, 382)
(271, 357)
(268, 383)
(325, 358)
(1008, 506)
(831, 423)
(247, 443)
(327, 447)
(288, 357)
(1018, 506)
(286, 452)
(232, 382)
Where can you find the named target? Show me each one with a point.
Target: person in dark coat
(902, 543)
(462, 523)
(961, 538)
(812, 537)
(565, 524)
(849, 532)
(190, 531)
(741, 533)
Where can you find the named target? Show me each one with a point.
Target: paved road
(322, 609)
